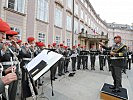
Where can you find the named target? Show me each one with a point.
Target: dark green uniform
(53, 69)
(129, 57)
(61, 62)
(92, 58)
(67, 60)
(101, 60)
(26, 56)
(73, 58)
(78, 58)
(7, 62)
(117, 63)
(84, 56)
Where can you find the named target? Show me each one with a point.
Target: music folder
(42, 63)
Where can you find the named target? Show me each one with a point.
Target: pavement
(85, 85)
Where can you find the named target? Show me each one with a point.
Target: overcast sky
(119, 11)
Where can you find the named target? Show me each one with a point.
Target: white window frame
(57, 40)
(76, 26)
(76, 9)
(16, 6)
(42, 37)
(81, 13)
(43, 10)
(69, 23)
(58, 17)
(68, 42)
(69, 4)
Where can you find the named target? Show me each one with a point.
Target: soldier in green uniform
(92, 57)
(118, 54)
(101, 58)
(8, 75)
(54, 67)
(61, 61)
(78, 57)
(73, 57)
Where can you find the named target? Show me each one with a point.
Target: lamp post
(73, 26)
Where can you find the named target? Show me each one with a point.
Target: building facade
(60, 21)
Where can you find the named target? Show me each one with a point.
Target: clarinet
(30, 80)
(1, 70)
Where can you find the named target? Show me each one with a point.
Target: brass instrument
(117, 50)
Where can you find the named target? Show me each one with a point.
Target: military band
(16, 54)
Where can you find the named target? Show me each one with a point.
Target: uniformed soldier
(101, 58)
(129, 57)
(132, 56)
(78, 57)
(8, 76)
(19, 42)
(84, 57)
(118, 54)
(9, 59)
(27, 54)
(54, 67)
(61, 61)
(92, 57)
(108, 59)
(73, 57)
(67, 59)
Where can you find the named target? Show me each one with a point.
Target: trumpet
(1, 70)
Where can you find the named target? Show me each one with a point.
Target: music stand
(42, 63)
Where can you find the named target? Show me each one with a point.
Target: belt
(102, 55)
(27, 59)
(117, 57)
(9, 63)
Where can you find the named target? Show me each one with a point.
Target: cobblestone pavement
(85, 85)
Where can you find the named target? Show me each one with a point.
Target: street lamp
(73, 26)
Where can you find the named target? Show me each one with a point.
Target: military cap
(54, 44)
(30, 39)
(61, 44)
(11, 32)
(40, 44)
(78, 44)
(4, 26)
(117, 37)
(19, 41)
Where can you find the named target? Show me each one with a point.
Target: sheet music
(51, 58)
(73, 55)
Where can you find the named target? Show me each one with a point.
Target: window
(82, 1)
(69, 4)
(58, 17)
(69, 23)
(57, 39)
(17, 5)
(85, 4)
(19, 32)
(75, 26)
(89, 22)
(41, 37)
(75, 42)
(68, 42)
(43, 9)
(82, 14)
(86, 18)
(76, 9)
